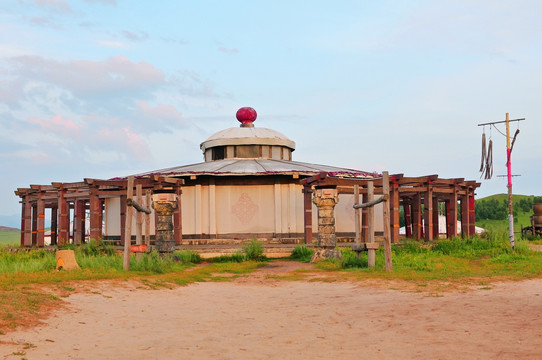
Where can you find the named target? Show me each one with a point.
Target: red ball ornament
(246, 115)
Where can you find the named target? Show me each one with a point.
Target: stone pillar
(326, 199)
(164, 205)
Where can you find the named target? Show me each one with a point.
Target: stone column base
(325, 254)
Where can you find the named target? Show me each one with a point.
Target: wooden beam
(54, 225)
(178, 216)
(95, 212)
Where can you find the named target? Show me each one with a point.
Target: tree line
(493, 209)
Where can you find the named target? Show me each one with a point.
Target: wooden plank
(386, 213)
(417, 232)
(122, 219)
(95, 212)
(128, 234)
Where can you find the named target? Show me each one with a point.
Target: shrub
(253, 250)
(152, 262)
(302, 253)
(237, 257)
(351, 260)
(188, 257)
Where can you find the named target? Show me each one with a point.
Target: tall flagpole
(509, 173)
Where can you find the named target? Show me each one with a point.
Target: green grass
(9, 238)
(451, 260)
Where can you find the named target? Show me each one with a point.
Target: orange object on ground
(65, 259)
(138, 248)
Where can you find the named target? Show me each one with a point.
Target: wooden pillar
(83, 221)
(357, 216)
(436, 214)
(27, 241)
(54, 225)
(465, 215)
(178, 217)
(428, 212)
(307, 205)
(408, 217)
(63, 220)
(417, 229)
(451, 216)
(101, 216)
(370, 214)
(122, 218)
(386, 214)
(139, 215)
(148, 218)
(95, 212)
(23, 208)
(472, 214)
(78, 214)
(128, 239)
(394, 209)
(34, 224)
(365, 220)
(40, 235)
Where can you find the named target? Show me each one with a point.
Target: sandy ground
(255, 317)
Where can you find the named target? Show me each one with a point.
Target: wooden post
(23, 208)
(386, 213)
(148, 218)
(40, 236)
(428, 213)
(436, 214)
(63, 221)
(465, 216)
(34, 224)
(178, 216)
(371, 253)
(394, 208)
(370, 214)
(357, 219)
(408, 217)
(365, 220)
(139, 215)
(95, 211)
(307, 204)
(139, 219)
(128, 235)
(54, 225)
(27, 223)
(78, 214)
(122, 219)
(472, 214)
(417, 232)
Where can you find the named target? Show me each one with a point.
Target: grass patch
(302, 253)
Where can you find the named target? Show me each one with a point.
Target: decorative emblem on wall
(244, 208)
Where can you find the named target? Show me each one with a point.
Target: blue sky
(103, 88)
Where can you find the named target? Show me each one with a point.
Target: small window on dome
(219, 152)
(247, 151)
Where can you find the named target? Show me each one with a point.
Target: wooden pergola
(84, 197)
(420, 197)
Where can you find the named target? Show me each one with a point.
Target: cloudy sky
(103, 88)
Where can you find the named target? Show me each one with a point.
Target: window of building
(247, 151)
(219, 152)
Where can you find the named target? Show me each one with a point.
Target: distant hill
(492, 211)
(7, 228)
(13, 221)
